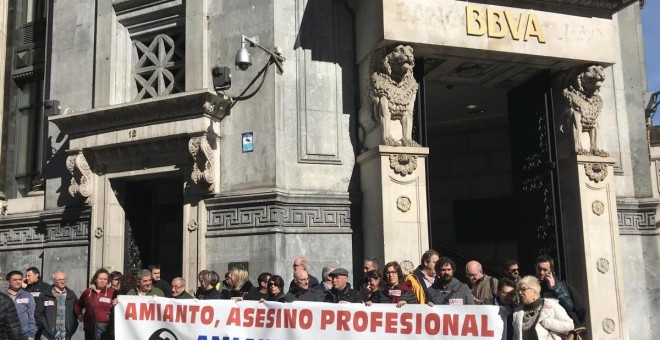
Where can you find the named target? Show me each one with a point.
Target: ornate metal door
(533, 156)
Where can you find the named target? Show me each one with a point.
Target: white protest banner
(152, 318)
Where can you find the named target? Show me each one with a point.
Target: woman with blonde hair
(241, 284)
(538, 318)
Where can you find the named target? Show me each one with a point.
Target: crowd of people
(537, 307)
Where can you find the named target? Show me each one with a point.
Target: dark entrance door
(154, 219)
(536, 198)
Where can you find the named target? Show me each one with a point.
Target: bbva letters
(498, 22)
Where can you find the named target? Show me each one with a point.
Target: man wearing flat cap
(341, 290)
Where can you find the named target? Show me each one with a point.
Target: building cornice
(140, 113)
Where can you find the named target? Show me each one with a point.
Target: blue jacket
(25, 308)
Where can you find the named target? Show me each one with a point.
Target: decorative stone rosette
(598, 207)
(403, 164)
(603, 265)
(608, 325)
(403, 203)
(597, 172)
(81, 176)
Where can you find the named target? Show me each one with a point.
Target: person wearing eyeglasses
(484, 287)
(275, 289)
(538, 318)
(301, 263)
(55, 323)
(511, 270)
(302, 292)
(179, 289)
(392, 289)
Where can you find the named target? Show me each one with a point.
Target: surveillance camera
(243, 65)
(242, 60)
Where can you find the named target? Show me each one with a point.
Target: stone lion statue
(391, 96)
(586, 104)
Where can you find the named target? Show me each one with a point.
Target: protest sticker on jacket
(151, 318)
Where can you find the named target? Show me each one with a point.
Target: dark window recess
(485, 219)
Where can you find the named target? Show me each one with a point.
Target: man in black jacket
(10, 326)
(36, 286)
(301, 291)
(54, 325)
(301, 263)
(341, 289)
(157, 282)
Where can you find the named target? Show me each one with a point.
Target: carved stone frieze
(277, 214)
(585, 104)
(390, 96)
(636, 216)
(598, 207)
(403, 203)
(202, 151)
(25, 233)
(403, 164)
(81, 176)
(597, 172)
(603, 265)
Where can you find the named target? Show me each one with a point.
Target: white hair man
(484, 287)
(301, 263)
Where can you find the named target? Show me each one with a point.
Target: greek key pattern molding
(278, 215)
(54, 232)
(636, 222)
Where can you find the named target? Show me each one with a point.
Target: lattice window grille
(159, 69)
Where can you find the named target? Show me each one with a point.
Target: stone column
(201, 178)
(591, 241)
(3, 53)
(394, 202)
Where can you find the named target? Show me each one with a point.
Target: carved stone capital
(202, 151)
(403, 164)
(81, 176)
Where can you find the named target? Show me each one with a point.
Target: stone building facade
(377, 128)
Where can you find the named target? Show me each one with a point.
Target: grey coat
(455, 289)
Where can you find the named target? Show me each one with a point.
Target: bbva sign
(498, 23)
